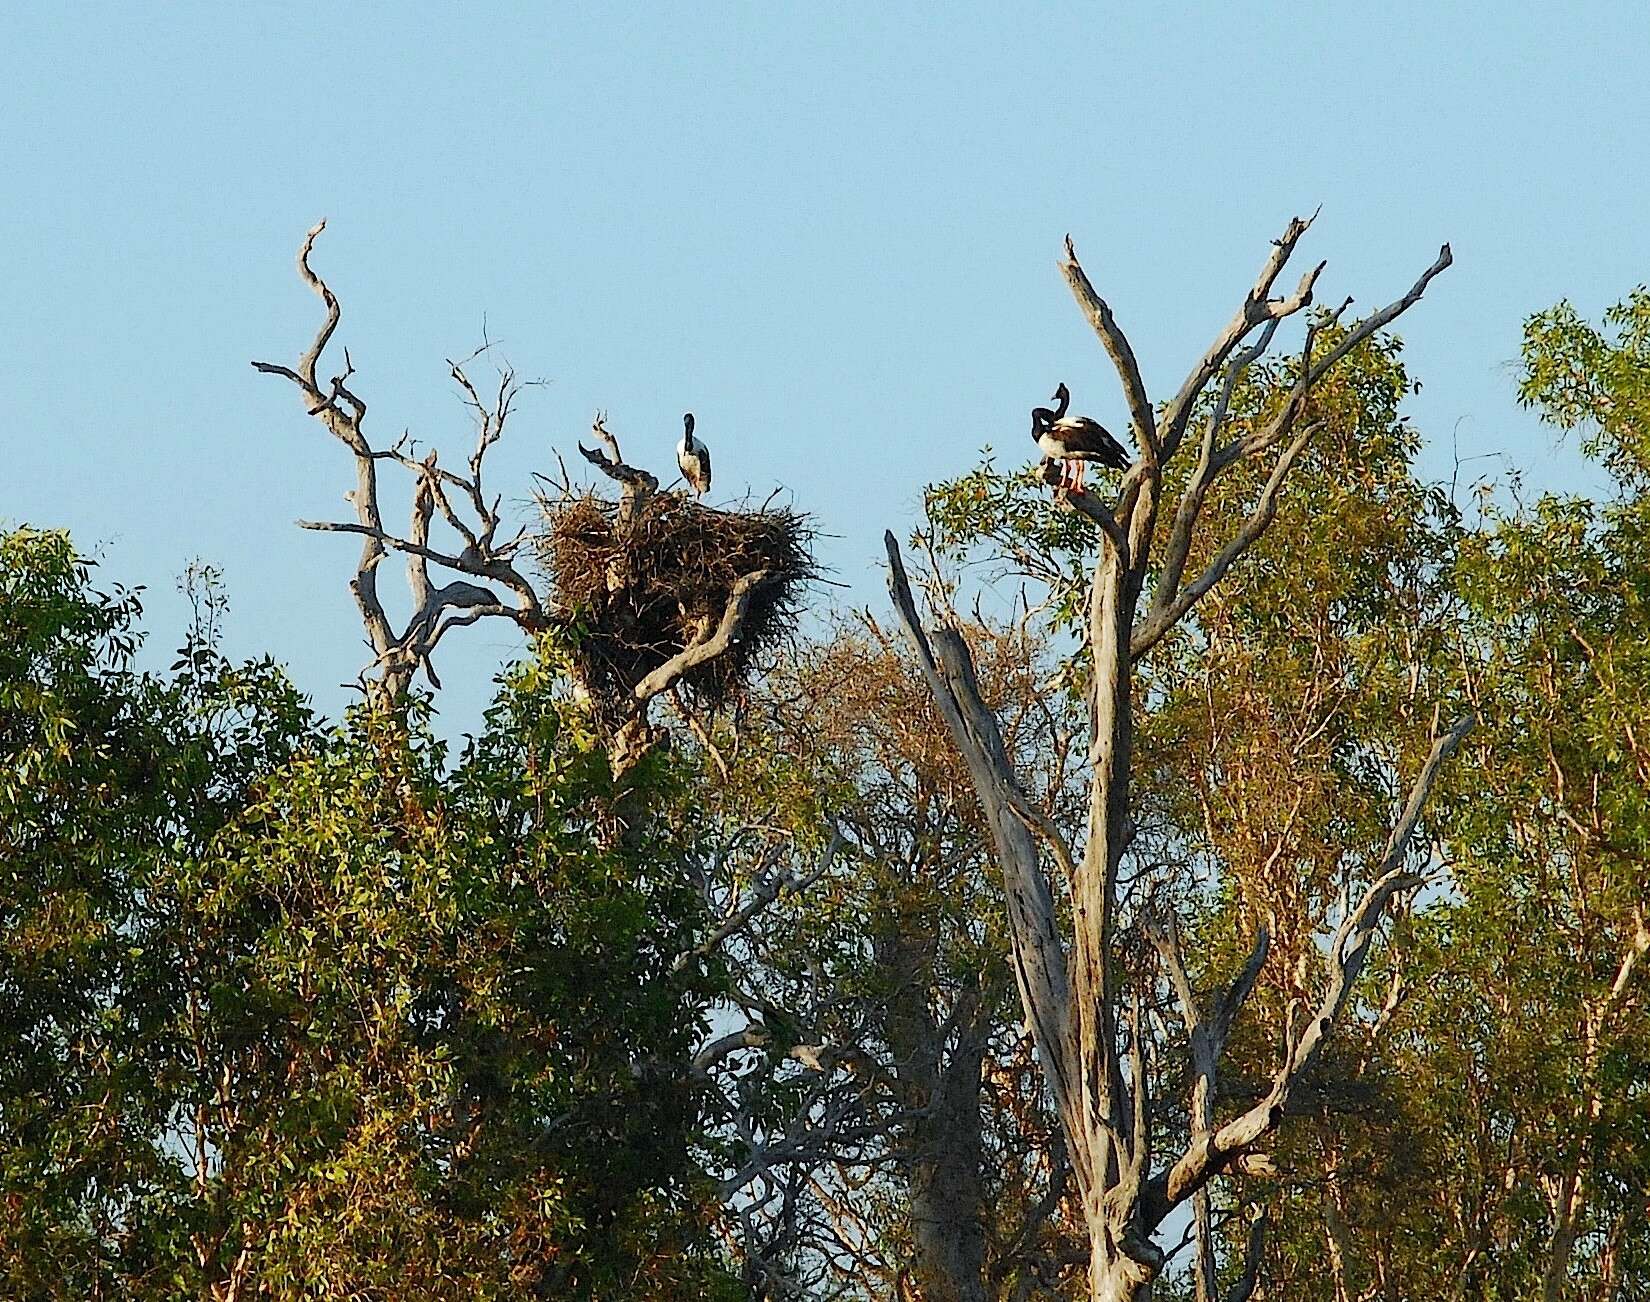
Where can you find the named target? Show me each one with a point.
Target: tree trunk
(950, 1250)
(1566, 1221)
(1083, 1005)
(945, 1151)
(1113, 1276)
(946, 1190)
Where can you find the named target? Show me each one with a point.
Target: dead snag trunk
(485, 575)
(1082, 1001)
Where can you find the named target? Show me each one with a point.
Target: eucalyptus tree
(1515, 1063)
(108, 778)
(883, 1003)
(1087, 991)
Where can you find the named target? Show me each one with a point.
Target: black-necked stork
(1074, 440)
(694, 458)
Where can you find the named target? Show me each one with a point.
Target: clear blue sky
(829, 230)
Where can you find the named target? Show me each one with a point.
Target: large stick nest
(647, 581)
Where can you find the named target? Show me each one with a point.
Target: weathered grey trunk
(1082, 1004)
(1113, 1277)
(947, 1193)
(944, 1149)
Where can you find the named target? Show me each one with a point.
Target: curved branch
(1210, 1153)
(312, 358)
(1257, 307)
(1158, 621)
(1085, 503)
(1118, 347)
(1370, 324)
(727, 632)
(398, 655)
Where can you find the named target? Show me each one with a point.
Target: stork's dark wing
(1092, 441)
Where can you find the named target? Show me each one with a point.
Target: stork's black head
(1062, 399)
(687, 423)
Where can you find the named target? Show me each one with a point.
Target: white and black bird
(1074, 440)
(694, 458)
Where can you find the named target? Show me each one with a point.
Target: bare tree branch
(776, 886)
(1257, 308)
(398, 655)
(1381, 319)
(1086, 503)
(1208, 467)
(727, 632)
(1117, 346)
(1259, 520)
(1087, 1018)
(1208, 1154)
(388, 539)
(1039, 957)
(636, 484)
(751, 1036)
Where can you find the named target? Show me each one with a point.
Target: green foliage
(107, 779)
(1532, 1003)
(1512, 1146)
(299, 1011)
(1279, 728)
(1580, 379)
(314, 1013)
(1003, 520)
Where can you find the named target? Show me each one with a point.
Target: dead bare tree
(398, 654)
(489, 575)
(1087, 1003)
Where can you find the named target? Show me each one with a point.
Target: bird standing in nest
(1074, 440)
(694, 458)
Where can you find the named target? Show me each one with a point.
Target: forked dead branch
(655, 594)
(1082, 997)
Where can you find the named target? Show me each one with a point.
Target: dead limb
(501, 589)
